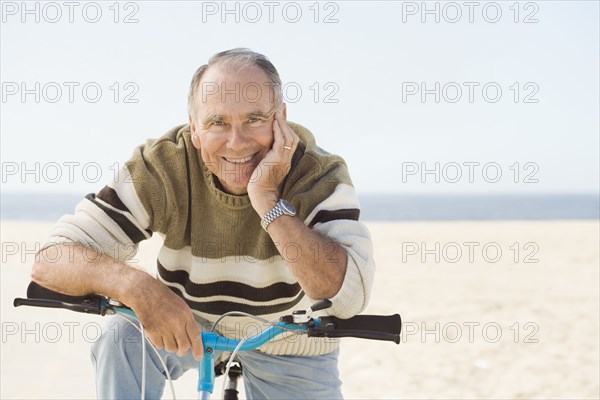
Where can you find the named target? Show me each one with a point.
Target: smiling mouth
(239, 160)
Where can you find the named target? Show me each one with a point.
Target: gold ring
(287, 147)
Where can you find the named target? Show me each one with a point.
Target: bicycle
(386, 328)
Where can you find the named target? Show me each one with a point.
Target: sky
(435, 97)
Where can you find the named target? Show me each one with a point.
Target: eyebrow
(253, 114)
(213, 118)
(260, 114)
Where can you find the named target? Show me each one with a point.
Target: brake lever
(39, 296)
(304, 316)
(95, 305)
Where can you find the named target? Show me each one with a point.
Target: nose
(237, 139)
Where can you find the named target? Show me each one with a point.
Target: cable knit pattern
(215, 254)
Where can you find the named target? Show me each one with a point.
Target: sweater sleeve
(339, 220)
(112, 221)
(129, 208)
(325, 198)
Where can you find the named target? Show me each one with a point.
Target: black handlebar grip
(36, 291)
(380, 323)
(39, 296)
(373, 335)
(376, 327)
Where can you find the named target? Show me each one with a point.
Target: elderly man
(255, 217)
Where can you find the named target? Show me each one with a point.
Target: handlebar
(39, 296)
(379, 327)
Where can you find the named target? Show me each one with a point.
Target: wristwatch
(282, 207)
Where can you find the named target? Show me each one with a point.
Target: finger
(157, 341)
(183, 343)
(290, 139)
(196, 340)
(278, 136)
(282, 130)
(170, 343)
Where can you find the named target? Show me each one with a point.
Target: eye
(253, 120)
(219, 123)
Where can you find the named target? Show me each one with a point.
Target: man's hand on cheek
(270, 172)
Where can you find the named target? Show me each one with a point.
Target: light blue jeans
(117, 358)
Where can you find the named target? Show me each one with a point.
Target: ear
(284, 111)
(194, 132)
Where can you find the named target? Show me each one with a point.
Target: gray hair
(239, 58)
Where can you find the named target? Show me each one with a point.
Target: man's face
(233, 123)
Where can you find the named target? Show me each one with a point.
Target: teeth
(239, 160)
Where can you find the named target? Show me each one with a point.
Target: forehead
(226, 90)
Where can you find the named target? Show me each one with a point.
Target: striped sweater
(215, 254)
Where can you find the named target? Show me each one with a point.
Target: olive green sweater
(215, 254)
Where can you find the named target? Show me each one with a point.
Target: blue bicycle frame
(213, 342)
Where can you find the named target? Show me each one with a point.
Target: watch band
(281, 208)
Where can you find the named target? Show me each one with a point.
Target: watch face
(289, 209)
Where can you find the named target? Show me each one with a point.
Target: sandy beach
(494, 309)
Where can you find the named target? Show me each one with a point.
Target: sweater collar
(216, 189)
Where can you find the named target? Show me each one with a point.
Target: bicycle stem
(212, 342)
